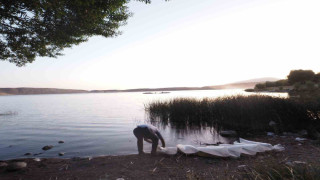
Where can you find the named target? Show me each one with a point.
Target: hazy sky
(186, 43)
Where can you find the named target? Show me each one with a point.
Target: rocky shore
(299, 152)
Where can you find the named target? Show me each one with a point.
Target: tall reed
(245, 114)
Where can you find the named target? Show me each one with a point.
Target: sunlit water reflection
(90, 124)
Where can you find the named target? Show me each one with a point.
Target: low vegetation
(279, 171)
(297, 80)
(8, 113)
(245, 114)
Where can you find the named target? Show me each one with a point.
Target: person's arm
(161, 139)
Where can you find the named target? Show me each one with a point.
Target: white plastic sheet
(223, 150)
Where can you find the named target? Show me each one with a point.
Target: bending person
(150, 134)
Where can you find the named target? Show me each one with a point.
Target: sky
(190, 43)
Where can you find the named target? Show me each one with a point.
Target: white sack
(223, 150)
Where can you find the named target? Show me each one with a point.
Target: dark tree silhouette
(31, 28)
(300, 76)
(317, 78)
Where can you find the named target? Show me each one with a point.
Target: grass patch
(276, 171)
(245, 114)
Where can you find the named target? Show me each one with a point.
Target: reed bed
(245, 114)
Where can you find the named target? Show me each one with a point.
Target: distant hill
(237, 85)
(259, 80)
(26, 91)
(246, 84)
(234, 86)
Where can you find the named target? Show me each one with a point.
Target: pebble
(60, 142)
(27, 154)
(16, 166)
(47, 147)
(61, 153)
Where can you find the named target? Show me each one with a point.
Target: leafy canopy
(32, 28)
(300, 76)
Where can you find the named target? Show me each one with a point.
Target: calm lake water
(89, 124)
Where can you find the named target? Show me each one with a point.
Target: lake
(91, 124)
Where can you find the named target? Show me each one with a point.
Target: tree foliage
(300, 76)
(260, 86)
(317, 78)
(31, 28)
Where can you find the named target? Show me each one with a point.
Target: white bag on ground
(223, 150)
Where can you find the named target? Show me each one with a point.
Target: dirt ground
(161, 167)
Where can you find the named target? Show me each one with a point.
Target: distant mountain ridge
(28, 91)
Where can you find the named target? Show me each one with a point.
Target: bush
(260, 86)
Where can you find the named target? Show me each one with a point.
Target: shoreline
(164, 166)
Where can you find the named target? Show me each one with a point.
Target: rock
(37, 154)
(303, 133)
(61, 153)
(60, 142)
(3, 164)
(47, 147)
(27, 154)
(270, 134)
(16, 166)
(272, 123)
(300, 139)
(228, 133)
(119, 179)
(37, 159)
